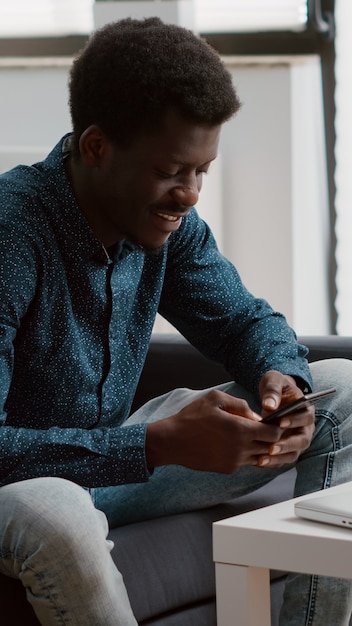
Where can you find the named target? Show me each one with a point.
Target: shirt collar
(75, 233)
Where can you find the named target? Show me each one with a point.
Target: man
(95, 240)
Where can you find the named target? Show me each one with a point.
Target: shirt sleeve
(204, 297)
(101, 457)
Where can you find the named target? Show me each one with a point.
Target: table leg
(242, 595)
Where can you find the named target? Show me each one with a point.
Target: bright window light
(250, 15)
(26, 18)
(40, 18)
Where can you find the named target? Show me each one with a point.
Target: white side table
(246, 547)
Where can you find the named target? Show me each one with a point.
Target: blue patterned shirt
(75, 324)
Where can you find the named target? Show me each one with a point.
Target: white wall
(33, 103)
(273, 188)
(33, 108)
(265, 198)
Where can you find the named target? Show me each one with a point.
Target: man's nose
(186, 195)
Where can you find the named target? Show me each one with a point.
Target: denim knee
(334, 373)
(50, 515)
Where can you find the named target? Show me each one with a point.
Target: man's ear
(93, 145)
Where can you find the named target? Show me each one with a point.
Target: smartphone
(297, 405)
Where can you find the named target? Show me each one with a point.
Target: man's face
(141, 193)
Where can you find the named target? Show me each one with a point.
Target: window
(62, 17)
(37, 18)
(250, 15)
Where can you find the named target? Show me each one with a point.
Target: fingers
(216, 432)
(220, 433)
(288, 449)
(271, 388)
(276, 388)
(234, 406)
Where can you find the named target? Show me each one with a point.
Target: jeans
(53, 535)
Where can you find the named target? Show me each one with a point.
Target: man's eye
(163, 174)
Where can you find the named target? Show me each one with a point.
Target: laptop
(329, 508)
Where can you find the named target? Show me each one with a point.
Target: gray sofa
(167, 563)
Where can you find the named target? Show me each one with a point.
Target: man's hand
(277, 389)
(220, 433)
(215, 433)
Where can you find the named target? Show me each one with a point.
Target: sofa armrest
(327, 346)
(172, 362)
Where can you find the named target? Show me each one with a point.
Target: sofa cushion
(172, 556)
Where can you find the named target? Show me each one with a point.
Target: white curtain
(343, 176)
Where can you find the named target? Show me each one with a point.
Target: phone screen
(297, 405)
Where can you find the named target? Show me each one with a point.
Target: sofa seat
(179, 547)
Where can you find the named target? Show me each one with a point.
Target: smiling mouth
(169, 218)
